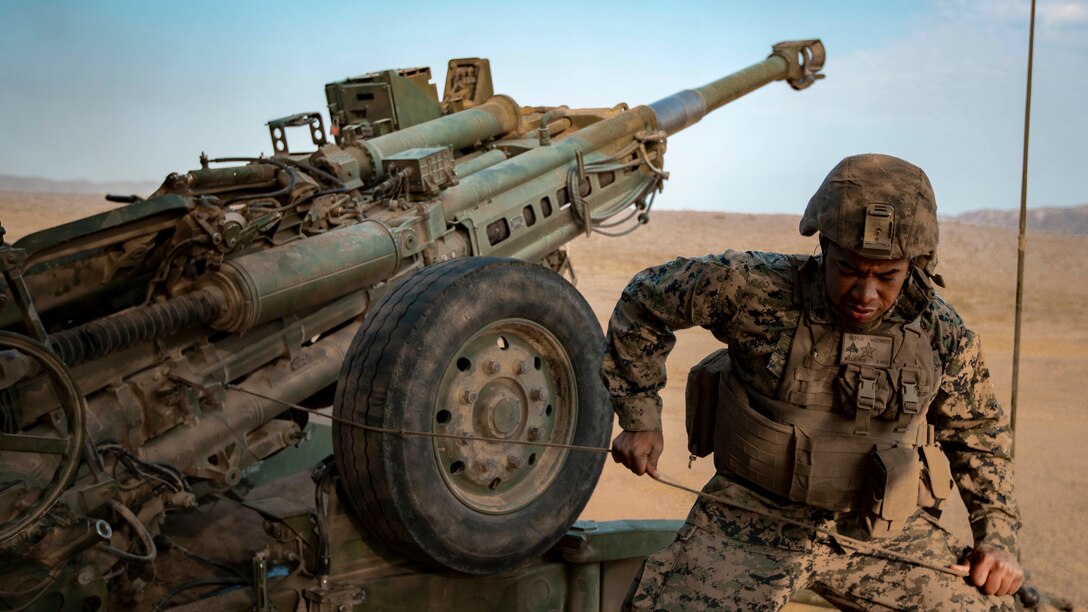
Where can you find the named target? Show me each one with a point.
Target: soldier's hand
(639, 451)
(993, 571)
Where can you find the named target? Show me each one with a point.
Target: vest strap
(908, 391)
(865, 400)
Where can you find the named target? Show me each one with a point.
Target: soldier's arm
(680, 294)
(974, 432)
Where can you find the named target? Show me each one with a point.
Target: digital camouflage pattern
(838, 208)
(734, 559)
(747, 300)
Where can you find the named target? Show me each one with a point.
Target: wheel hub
(501, 409)
(513, 381)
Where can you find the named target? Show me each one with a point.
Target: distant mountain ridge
(1063, 220)
(35, 183)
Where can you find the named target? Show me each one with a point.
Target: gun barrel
(798, 62)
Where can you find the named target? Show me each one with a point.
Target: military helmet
(878, 206)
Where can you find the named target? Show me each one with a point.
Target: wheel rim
(511, 380)
(74, 410)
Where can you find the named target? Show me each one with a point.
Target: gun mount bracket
(276, 128)
(805, 59)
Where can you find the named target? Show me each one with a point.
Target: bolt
(86, 575)
(538, 395)
(492, 367)
(535, 434)
(485, 465)
(515, 462)
(468, 396)
(524, 366)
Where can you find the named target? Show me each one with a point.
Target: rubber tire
(392, 483)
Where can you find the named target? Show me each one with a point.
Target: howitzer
(168, 349)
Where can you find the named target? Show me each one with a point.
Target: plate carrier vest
(847, 430)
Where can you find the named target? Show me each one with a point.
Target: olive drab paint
(200, 323)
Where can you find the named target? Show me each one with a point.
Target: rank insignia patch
(865, 349)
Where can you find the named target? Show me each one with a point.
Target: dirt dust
(979, 265)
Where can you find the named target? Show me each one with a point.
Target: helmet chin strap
(928, 264)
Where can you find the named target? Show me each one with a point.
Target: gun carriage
(151, 354)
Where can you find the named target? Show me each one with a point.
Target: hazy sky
(135, 90)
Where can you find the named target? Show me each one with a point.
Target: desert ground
(979, 265)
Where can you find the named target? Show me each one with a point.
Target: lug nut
(485, 465)
(492, 367)
(535, 434)
(468, 396)
(515, 462)
(538, 395)
(524, 366)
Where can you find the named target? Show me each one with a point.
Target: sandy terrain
(979, 265)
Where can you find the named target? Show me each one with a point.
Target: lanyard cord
(844, 541)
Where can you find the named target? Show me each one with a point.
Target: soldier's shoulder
(943, 314)
(944, 323)
(754, 272)
(757, 262)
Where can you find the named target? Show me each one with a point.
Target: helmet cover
(878, 206)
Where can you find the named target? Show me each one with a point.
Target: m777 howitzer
(148, 351)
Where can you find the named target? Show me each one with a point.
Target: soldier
(850, 397)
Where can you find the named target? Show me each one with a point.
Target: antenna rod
(1021, 240)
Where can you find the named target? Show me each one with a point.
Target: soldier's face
(861, 289)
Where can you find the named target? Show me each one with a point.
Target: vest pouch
(829, 469)
(750, 445)
(936, 484)
(701, 399)
(893, 482)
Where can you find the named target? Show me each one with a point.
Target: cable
(285, 190)
(283, 162)
(845, 541)
(408, 432)
(652, 184)
(134, 464)
(141, 532)
(192, 584)
(47, 582)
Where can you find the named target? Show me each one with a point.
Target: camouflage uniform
(732, 558)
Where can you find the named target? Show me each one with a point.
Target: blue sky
(135, 90)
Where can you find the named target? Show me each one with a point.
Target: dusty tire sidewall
(424, 502)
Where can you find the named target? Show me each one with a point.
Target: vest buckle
(865, 400)
(908, 393)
